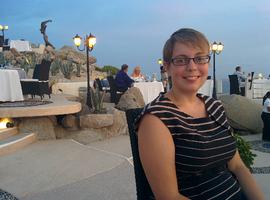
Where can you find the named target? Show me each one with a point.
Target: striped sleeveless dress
(203, 146)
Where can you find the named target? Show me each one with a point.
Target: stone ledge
(60, 106)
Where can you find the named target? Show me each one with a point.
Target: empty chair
(1, 40)
(251, 80)
(115, 95)
(234, 84)
(39, 85)
(6, 45)
(143, 189)
(101, 86)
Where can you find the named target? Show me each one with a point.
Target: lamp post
(89, 43)
(216, 48)
(160, 62)
(3, 28)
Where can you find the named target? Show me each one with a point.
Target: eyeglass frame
(187, 60)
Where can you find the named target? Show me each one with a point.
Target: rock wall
(243, 113)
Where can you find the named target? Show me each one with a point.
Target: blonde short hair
(186, 36)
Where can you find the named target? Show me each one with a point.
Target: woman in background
(136, 75)
(266, 117)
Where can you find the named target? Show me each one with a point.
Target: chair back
(6, 42)
(234, 84)
(36, 73)
(143, 189)
(251, 80)
(44, 70)
(1, 40)
(113, 90)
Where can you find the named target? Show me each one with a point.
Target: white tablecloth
(207, 88)
(10, 86)
(260, 87)
(149, 90)
(20, 45)
(21, 72)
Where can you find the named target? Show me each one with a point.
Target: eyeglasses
(181, 61)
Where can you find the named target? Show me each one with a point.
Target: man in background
(123, 81)
(241, 79)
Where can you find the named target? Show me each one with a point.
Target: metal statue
(43, 27)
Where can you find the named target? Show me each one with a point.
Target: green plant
(111, 70)
(97, 100)
(66, 68)
(55, 66)
(78, 72)
(244, 149)
(28, 61)
(2, 59)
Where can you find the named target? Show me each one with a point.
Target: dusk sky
(134, 32)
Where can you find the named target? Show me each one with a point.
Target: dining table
(149, 90)
(207, 88)
(260, 87)
(10, 86)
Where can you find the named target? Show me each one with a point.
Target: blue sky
(134, 31)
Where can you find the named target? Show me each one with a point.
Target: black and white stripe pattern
(203, 147)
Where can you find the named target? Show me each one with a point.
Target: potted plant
(244, 149)
(97, 100)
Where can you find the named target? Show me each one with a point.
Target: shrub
(2, 59)
(66, 67)
(244, 149)
(97, 100)
(111, 70)
(55, 67)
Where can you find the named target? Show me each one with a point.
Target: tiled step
(16, 142)
(8, 132)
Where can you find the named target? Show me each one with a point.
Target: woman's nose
(191, 65)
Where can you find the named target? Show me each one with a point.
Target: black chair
(101, 86)
(6, 45)
(39, 85)
(1, 40)
(143, 189)
(115, 94)
(234, 84)
(251, 80)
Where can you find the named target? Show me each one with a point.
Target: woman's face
(137, 71)
(190, 77)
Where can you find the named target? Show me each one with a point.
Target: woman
(185, 142)
(266, 117)
(164, 77)
(136, 75)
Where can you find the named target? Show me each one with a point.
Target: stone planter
(96, 120)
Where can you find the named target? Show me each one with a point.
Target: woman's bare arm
(157, 154)
(245, 178)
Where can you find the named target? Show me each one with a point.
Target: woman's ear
(166, 66)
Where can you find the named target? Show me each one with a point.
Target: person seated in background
(136, 75)
(164, 77)
(122, 80)
(241, 79)
(266, 117)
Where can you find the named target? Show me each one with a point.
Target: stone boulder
(132, 98)
(96, 120)
(42, 126)
(113, 123)
(243, 113)
(70, 122)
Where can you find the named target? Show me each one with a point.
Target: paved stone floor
(66, 169)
